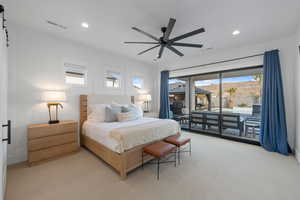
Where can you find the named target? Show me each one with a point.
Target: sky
(137, 82)
(216, 81)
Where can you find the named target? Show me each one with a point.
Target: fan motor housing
(163, 29)
(162, 41)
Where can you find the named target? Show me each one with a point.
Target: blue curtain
(164, 95)
(273, 135)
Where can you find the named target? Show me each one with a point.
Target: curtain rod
(218, 62)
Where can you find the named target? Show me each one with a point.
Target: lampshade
(148, 97)
(145, 97)
(54, 96)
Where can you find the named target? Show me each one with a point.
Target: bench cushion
(177, 140)
(159, 149)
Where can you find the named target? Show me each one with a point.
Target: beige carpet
(218, 169)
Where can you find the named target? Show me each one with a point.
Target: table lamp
(53, 99)
(146, 98)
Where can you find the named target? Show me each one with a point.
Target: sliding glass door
(225, 103)
(205, 103)
(242, 92)
(179, 96)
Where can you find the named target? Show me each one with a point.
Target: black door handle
(8, 125)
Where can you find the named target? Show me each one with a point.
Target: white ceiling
(111, 21)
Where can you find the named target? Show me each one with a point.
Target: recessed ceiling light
(236, 32)
(84, 25)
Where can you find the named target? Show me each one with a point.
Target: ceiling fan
(166, 42)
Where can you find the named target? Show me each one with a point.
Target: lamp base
(53, 121)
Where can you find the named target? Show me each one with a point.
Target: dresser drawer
(52, 152)
(42, 143)
(51, 129)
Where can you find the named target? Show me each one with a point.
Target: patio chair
(252, 124)
(232, 124)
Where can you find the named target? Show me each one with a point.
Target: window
(137, 82)
(113, 79)
(75, 74)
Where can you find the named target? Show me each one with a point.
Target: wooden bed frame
(121, 162)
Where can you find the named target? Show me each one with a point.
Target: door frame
(219, 135)
(3, 105)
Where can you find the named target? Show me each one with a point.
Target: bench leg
(158, 160)
(142, 159)
(175, 162)
(190, 148)
(179, 155)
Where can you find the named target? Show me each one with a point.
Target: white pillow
(137, 109)
(123, 106)
(118, 104)
(97, 112)
(127, 116)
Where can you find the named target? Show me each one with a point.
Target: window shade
(75, 74)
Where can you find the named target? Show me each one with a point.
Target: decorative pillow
(127, 116)
(97, 112)
(137, 109)
(111, 113)
(115, 104)
(125, 109)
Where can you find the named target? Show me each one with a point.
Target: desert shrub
(243, 105)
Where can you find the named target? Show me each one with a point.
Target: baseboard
(297, 155)
(11, 160)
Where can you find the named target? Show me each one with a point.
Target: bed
(120, 144)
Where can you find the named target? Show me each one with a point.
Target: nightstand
(48, 141)
(151, 114)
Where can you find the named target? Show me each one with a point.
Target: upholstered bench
(159, 150)
(179, 141)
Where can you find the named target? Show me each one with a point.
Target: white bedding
(101, 131)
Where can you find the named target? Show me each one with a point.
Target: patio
(229, 123)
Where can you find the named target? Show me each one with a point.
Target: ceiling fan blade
(195, 32)
(147, 34)
(141, 43)
(175, 50)
(148, 49)
(169, 28)
(186, 45)
(161, 50)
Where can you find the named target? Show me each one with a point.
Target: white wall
(297, 77)
(288, 63)
(36, 64)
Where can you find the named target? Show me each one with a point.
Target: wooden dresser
(47, 141)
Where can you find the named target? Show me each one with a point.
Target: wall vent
(56, 24)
